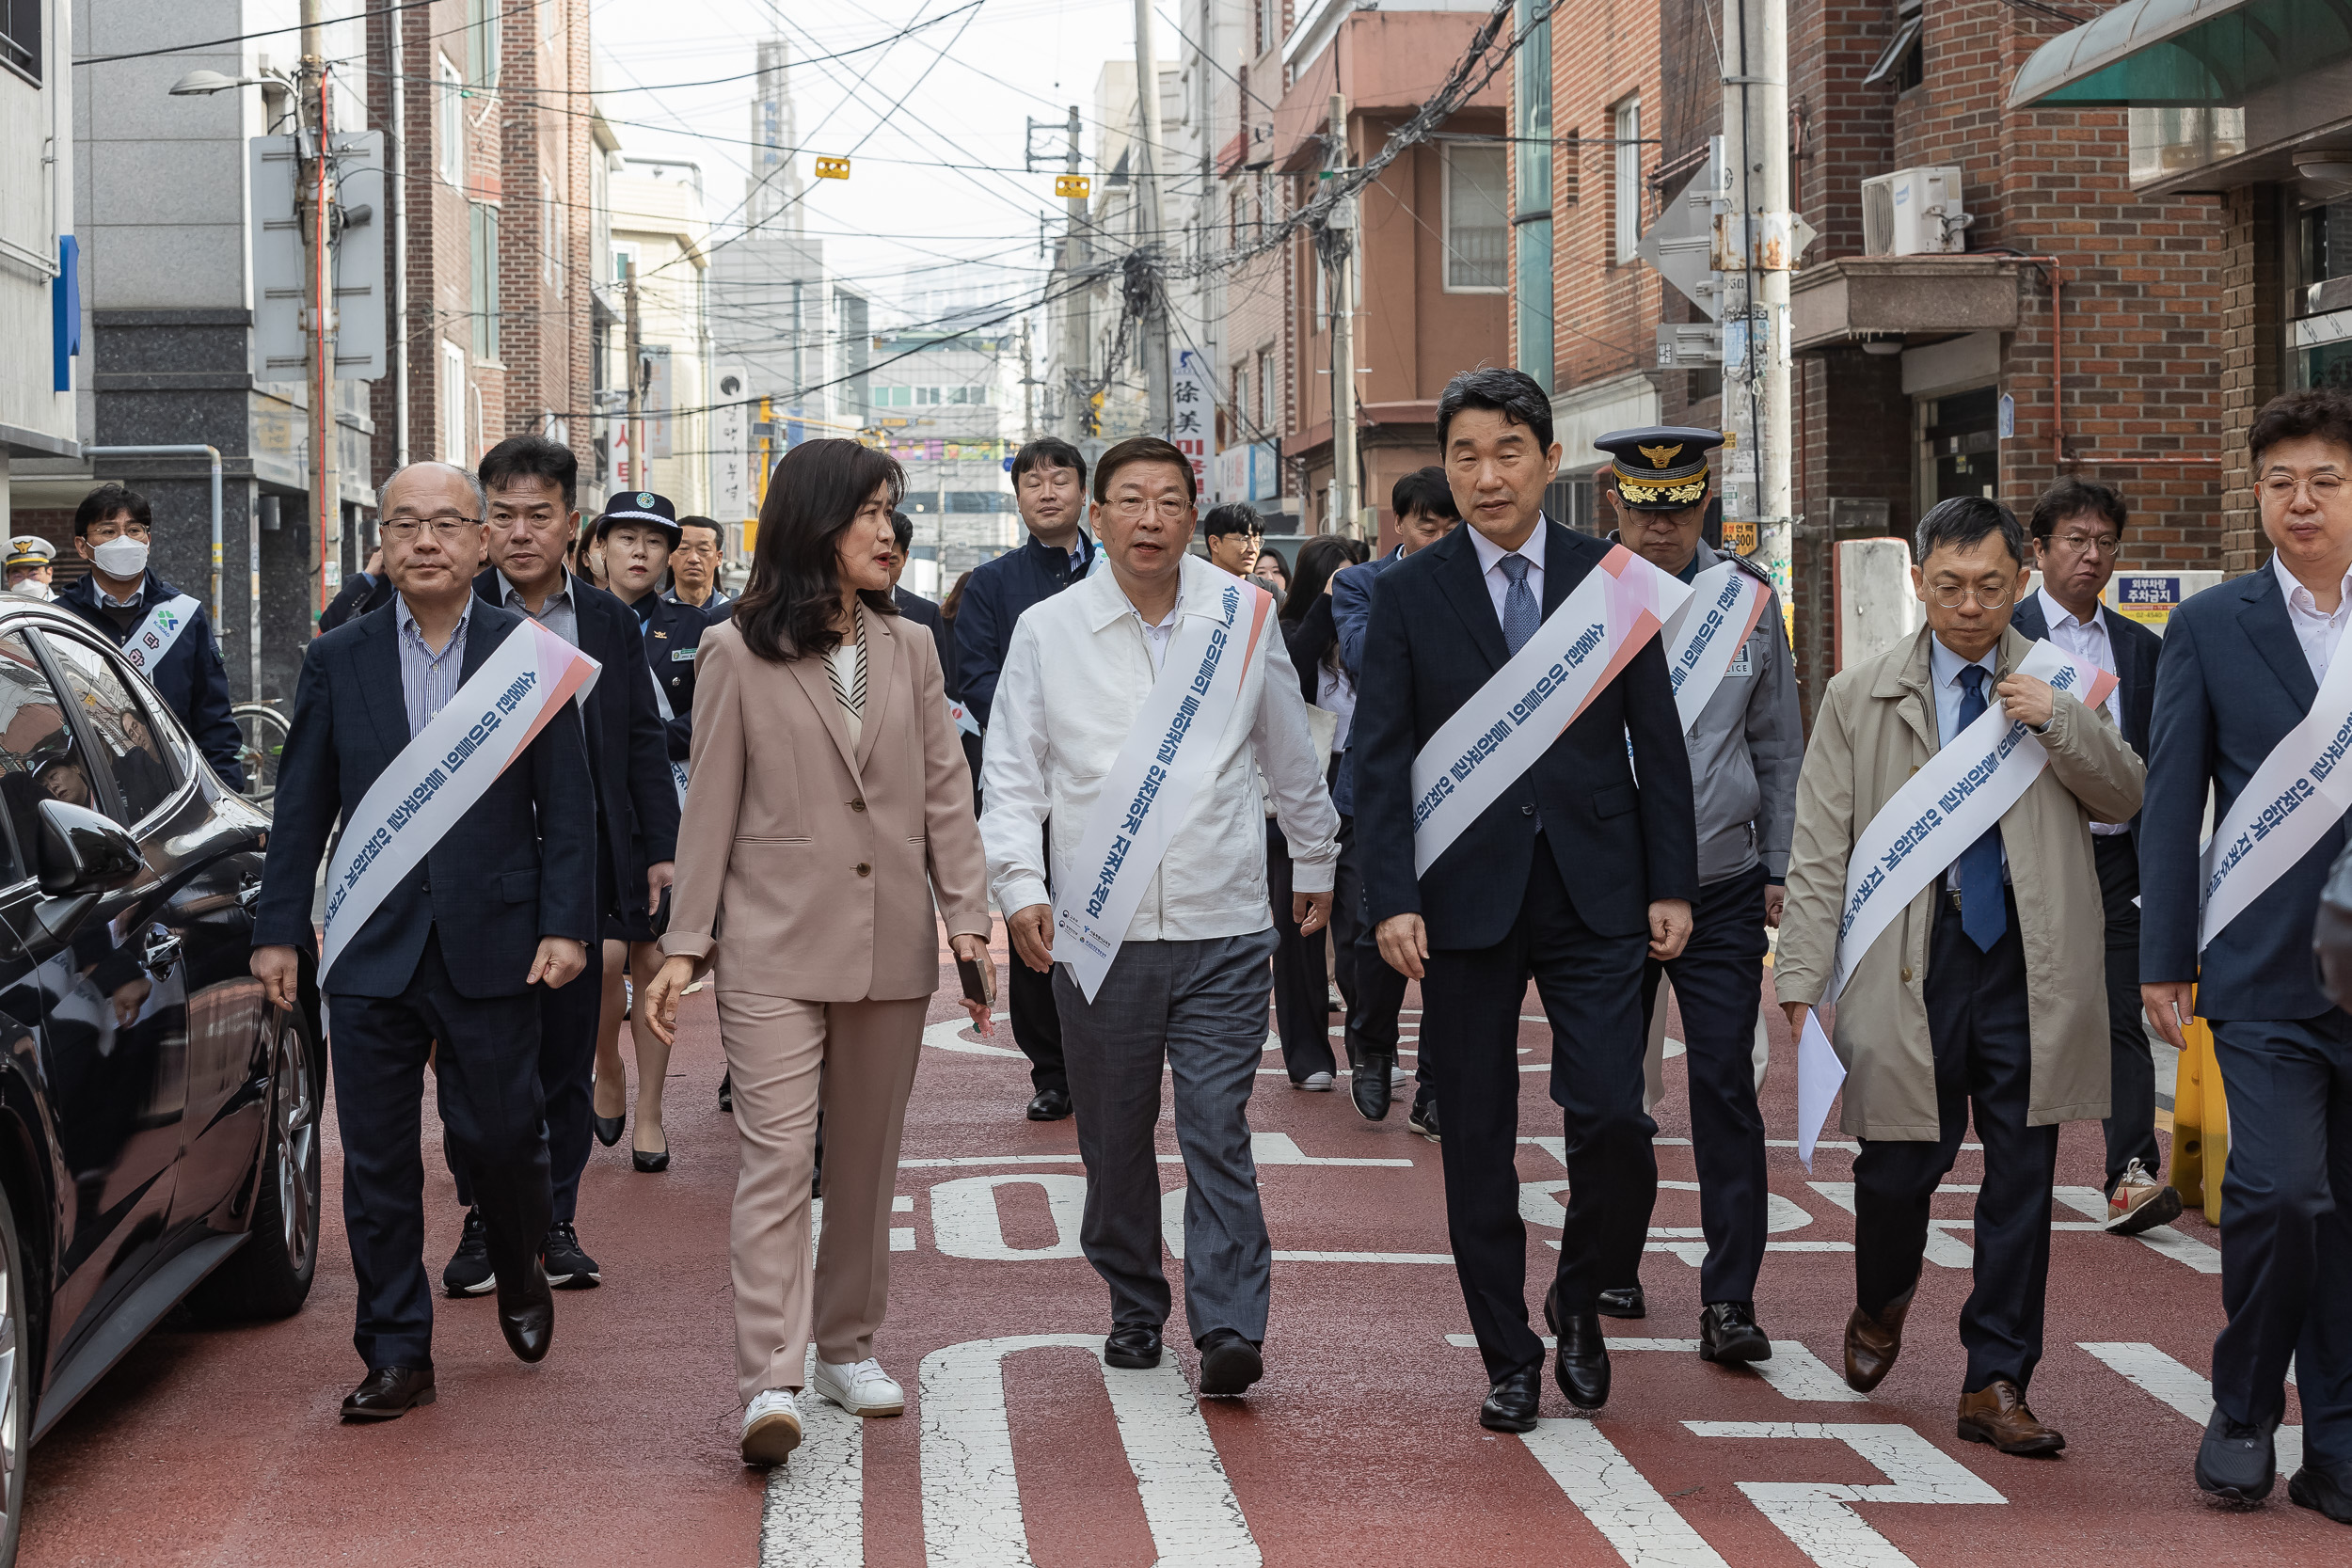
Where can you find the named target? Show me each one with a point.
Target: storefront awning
(2185, 53)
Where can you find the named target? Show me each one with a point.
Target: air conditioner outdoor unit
(1914, 212)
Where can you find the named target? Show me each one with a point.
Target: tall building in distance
(945, 396)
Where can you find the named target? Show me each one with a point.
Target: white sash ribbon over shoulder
(1151, 782)
(444, 769)
(1525, 705)
(144, 649)
(1704, 636)
(661, 702)
(2302, 790)
(1946, 806)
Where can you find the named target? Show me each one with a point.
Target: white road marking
(1794, 1373)
(1617, 1498)
(971, 1501)
(902, 1204)
(2201, 1255)
(1281, 1148)
(2169, 1382)
(966, 1221)
(901, 1239)
(1815, 1514)
(990, 1160)
(814, 1515)
(955, 1035)
(1943, 1249)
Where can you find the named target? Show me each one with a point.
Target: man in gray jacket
(1747, 745)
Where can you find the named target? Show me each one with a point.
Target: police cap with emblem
(640, 506)
(30, 550)
(1663, 467)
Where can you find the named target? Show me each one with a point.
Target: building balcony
(1860, 299)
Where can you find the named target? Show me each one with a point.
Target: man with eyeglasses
(2253, 697)
(1972, 995)
(163, 632)
(2077, 534)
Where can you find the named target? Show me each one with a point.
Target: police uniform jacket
(673, 634)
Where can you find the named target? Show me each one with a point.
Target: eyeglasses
(445, 526)
(1951, 595)
(2082, 544)
(126, 529)
(1170, 509)
(2280, 488)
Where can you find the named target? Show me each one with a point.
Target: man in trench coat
(1987, 988)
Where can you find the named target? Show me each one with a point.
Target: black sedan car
(159, 1124)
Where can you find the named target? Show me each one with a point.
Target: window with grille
(20, 36)
(451, 130)
(1476, 225)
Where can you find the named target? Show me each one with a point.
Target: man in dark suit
(915, 608)
(533, 486)
(500, 904)
(1576, 875)
(2244, 665)
(2077, 531)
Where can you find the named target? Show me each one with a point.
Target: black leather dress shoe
(1423, 1119)
(1511, 1403)
(1626, 1302)
(527, 1314)
(2315, 1489)
(2237, 1462)
(1369, 1086)
(1050, 1105)
(726, 1096)
(1133, 1346)
(1581, 1364)
(389, 1393)
(1727, 1332)
(1228, 1365)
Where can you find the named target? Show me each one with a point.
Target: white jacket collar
(1104, 601)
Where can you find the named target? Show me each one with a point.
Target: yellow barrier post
(2200, 1124)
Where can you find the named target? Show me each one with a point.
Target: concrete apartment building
(660, 229)
(944, 398)
(1258, 326)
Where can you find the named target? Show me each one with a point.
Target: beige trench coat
(1875, 728)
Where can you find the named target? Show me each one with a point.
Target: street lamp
(201, 84)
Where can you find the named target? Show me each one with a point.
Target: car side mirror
(82, 852)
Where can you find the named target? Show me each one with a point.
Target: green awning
(2185, 53)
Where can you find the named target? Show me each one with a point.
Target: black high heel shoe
(650, 1164)
(609, 1129)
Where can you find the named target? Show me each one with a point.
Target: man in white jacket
(1135, 712)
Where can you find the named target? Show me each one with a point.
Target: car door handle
(249, 894)
(160, 955)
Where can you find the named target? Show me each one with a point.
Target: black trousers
(2131, 1124)
(2286, 1240)
(1373, 991)
(569, 1017)
(1036, 1021)
(1591, 989)
(1978, 1026)
(1719, 983)
(1302, 981)
(489, 1066)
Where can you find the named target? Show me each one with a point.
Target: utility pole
(314, 182)
(1076, 329)
(1028, 386)
(1756, 239)
(1338, 258)
(635, 417)
(1152, 222)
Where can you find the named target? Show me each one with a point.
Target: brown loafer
(1872, 1343)
(1997, 1414)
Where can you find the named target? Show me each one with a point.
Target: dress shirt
(428, 680)
(1491, 564)
(1156, 639)
(107, 601)
(2319, 633)
(1075, 677)
(2087, 640)
(719, 599)
(1944, 668)
(559, 614)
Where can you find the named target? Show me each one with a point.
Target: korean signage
(1193, 420)
(2151, 597)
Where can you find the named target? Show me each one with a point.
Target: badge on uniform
(686, 655)
(1740, 663)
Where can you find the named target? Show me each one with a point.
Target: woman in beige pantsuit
(829, 797)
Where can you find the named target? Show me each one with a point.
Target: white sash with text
(1151, 782)
(661, 702)
(2302, 790)
(444, 769)
(144, 649)
(1704, 636)
(1527, 704)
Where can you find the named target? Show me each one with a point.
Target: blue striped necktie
(1520, 616)
(1978, 872)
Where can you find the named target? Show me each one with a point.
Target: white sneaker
(1314, 1082)
(1399, 1077)
(2140, 1202)
(772, 1428)
(861, 1389)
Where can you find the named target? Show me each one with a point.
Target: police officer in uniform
(31, 561)
(1745, 750)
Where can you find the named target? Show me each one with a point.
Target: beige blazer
(1875, 727)
(806, 869)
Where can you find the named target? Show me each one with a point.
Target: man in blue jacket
(164, 633)
(1049, 484)
(2254, 671)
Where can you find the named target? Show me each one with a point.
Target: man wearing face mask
(164, 633)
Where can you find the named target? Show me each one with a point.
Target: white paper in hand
(1820, 1075)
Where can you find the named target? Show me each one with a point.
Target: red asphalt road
(1360, 1447)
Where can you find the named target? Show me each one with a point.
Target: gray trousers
(1201, 1008)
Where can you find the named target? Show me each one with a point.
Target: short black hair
(107, 499)
(532, 457)
(1964, 520)
(1232, 517)
(1424, 490)
(2071, 498)
(1139, 448)
(711, 523)
(1512, 394)
(1049, 451)
(902, 529)
(2321, 411)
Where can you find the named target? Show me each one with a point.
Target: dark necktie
(1978, 872)
(1520, 616)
